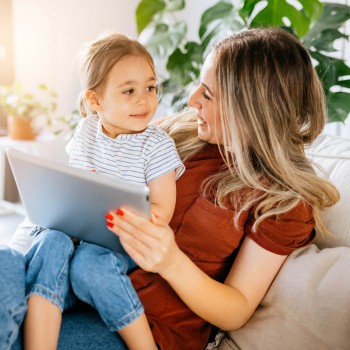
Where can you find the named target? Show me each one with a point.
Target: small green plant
(17, 102)
(317, 24)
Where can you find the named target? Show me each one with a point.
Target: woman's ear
(92, 100)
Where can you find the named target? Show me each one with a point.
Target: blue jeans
(47, 267)
(12, 296)
(99, 278)
(44, 270)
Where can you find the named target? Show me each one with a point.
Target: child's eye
(150, 88)
(128, 92)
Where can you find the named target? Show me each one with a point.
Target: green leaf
(145, 12)
(345, 84)
(184, 66)
(274, 13)
(164, 39)
(313, 9)
(324, 41)
(330, 70)
(338, 106)
(218, 21)
(175, 5)
(247, 9)
(42, 86)
(333, 17)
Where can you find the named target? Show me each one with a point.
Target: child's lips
(139, 115)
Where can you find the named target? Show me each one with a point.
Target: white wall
(48, 34)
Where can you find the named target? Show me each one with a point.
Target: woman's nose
(193, 100)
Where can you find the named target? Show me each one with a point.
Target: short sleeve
(288, 232)
(162, 159)
(71, 143)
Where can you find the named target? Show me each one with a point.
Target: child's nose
(142, 100)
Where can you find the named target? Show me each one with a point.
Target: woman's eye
(205, 96)
(128, 92)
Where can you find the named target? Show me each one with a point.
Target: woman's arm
(228, 306)
(163, 195)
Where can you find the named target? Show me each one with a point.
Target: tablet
(74, 201)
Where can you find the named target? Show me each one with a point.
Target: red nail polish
(109, 216)
(120, 212)
(109, 224)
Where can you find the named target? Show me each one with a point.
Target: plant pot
(20, 128)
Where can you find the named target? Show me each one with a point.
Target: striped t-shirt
(138, 158)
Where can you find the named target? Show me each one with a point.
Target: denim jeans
(99, 278)
(12, 296)
(44, 271)
(47, 267)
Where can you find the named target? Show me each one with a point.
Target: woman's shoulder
(285, 232)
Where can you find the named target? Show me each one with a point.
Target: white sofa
(308, 305)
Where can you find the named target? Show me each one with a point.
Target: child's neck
(113, 133)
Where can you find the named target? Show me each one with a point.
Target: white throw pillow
(333, 155)
(307, 306)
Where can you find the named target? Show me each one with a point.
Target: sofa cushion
(307, 306)
(333, 155)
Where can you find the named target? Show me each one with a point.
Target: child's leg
(47, 283)
(12, 296)
(99, 278)
(138, 335)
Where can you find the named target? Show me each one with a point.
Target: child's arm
(163, 195)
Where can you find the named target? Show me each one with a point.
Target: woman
(248, 197)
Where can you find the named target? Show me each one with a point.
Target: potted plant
(26, 113)
(316, 23)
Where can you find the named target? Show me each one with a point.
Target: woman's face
(204, 99)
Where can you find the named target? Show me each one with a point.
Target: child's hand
(150, 243)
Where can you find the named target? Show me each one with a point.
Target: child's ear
(92, 99)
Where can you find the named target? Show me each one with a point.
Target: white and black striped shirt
(138, 158)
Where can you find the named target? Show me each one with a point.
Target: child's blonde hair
(99, 56)
(271, 104)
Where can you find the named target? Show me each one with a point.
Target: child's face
(128, 99)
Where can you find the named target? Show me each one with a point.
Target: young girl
(118, 101)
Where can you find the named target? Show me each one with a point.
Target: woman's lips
(201, 121)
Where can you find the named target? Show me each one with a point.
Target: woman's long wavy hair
(271, 104)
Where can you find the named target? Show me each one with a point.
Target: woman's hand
(150, 243)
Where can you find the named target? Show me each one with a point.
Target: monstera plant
(317, 24)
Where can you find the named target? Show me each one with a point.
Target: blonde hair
(99, 56)
(271, 105)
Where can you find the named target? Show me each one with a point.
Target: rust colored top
(207, 235)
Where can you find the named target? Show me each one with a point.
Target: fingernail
(109, 216)
(109, 224)
(120, 212)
